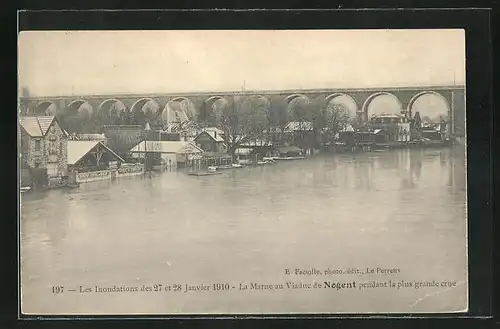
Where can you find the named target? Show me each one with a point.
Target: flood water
(397, 209)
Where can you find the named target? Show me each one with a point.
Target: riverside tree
(278, 118)
(241, 121)
(318, 119)
(336, 117)
(299, 109)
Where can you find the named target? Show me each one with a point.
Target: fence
(91, 176)
(124, 171)
(130, 170)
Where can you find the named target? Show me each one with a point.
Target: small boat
(72, 185)
(264, 162)
(289, 158)
(231, 166)
(208, 173)
(25, 189)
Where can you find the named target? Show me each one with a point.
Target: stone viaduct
(454, 97)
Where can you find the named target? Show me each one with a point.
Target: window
(38, 145)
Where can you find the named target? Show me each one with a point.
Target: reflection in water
(255, 221)
(416, 164)
(363, 174)
(457, 173)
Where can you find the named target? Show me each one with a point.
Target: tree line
(241, 119)
(257, 121)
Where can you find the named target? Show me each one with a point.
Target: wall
(130, 170)
(56, 146)
(124, 171)
(91, 176)
(206, 143)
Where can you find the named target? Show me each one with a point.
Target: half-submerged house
(168, 154)
(300, 133)
(187, 130)
(211, 140)
(91, 156)
(93, 160)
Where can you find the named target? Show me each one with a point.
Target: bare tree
(299, 111)
(241, 121)
(316, 114)
(278, 118)
(336, 118)
(150, 114)
(121, 140)
(206, 116)
(114, 116)
(255, 111)
(417, 121)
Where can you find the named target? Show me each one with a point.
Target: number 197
(57, 289)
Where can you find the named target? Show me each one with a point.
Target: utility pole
(146, 132)
(452, 109)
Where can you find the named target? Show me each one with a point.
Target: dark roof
(78, 149)
(213, 135)
(180, 126)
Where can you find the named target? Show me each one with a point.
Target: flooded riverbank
(401, 209)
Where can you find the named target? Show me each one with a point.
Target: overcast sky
(101, 62)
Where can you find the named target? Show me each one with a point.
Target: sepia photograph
(226, 172)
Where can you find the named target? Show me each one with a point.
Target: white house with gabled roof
(169, 153)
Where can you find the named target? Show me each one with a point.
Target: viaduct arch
(290, 100)
(412, 101)
(80, 107)
(172, 115)
(372, 97)
(330, 98)
(45, 108)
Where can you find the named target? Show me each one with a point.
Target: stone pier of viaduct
(454, 97)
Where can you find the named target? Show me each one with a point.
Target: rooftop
(214, 133)
(36, 126)
(78, 149)
(176, 147)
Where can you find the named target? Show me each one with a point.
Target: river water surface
(402, 210)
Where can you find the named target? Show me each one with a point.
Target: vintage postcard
(255, 172)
